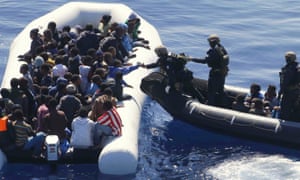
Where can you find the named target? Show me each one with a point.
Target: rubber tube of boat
(52, 146)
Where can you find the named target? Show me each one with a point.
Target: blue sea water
(256, 34)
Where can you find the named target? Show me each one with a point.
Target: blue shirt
(124, 69)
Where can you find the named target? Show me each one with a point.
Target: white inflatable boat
(120, 155)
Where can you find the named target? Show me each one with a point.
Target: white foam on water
(257, 167)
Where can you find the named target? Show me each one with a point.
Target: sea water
(255, 33)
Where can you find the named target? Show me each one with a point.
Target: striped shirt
(23, 132)
(112, 119)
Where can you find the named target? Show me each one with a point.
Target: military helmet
(290, 55)
(161, 51)
(213, 37)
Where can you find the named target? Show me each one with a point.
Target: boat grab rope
(234, 121)
(277, 128)
(192, 109)
(253, 124)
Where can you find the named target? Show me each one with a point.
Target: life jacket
(3, 123)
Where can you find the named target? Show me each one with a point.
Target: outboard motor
(53, 148)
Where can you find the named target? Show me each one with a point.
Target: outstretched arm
(197, 60)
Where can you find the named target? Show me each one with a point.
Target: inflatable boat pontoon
(120, 155)
(221, 120)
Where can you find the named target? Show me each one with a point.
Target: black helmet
(161, 51)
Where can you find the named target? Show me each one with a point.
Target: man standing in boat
(217, 59)
(179, 77)
(289, 87)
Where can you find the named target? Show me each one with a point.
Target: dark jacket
(87, 40)
(214, 58)
(115, 42)
(289, 77)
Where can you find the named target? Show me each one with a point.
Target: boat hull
(221, 120)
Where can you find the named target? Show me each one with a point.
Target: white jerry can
(52, 145)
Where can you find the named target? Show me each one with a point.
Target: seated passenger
(128, 42)
(254, 93)
(94, 85)
(4, 92)
(56, 123)
(104, 25)
(36, 42)
(118, 67)
(238, 104)
(109, 96)
(74, 60)
(42, 110)
(134, 23)
(108, 124)
(16, 95)
(49, 43)
(87, 39)
(6, 130)
(26, 139)
(45, 70)
(257, 107)
(59, 69)
(84, 70)
(24, 70)
(115, 40)
(118, 87)
(82, 130)
(271, 97)
(53, 28)
(69, 103)
(97, 108)
(30, 110)
(59, 83)
(36, 70)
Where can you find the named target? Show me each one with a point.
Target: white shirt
(82, 132)
(59, 70)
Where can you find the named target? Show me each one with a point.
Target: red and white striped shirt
(112, 119)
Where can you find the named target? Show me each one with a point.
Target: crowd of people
(71, 82)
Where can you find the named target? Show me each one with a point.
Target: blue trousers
(100, 131)
(36, 143)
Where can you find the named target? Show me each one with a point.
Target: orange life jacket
(3, 123)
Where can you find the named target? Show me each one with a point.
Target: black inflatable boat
(221, 120)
